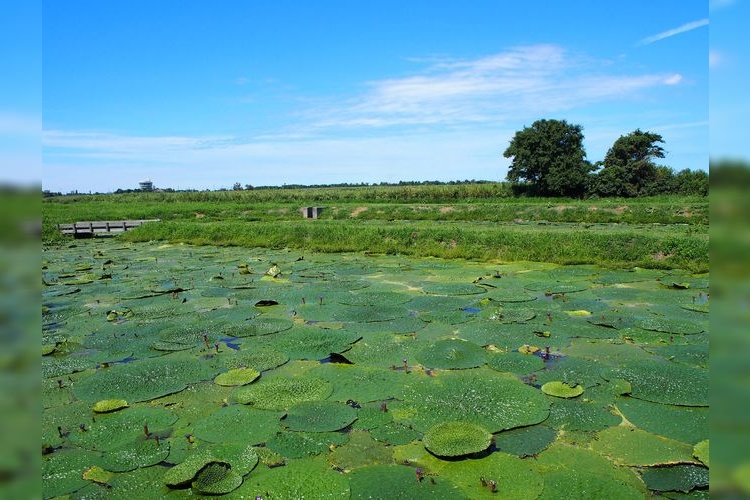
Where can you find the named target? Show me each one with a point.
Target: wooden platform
(89, 229)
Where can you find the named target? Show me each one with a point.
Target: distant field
(478, 222)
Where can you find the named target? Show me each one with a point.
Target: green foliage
(682, 478)
(549, 158)
(360, 451)
(561, 389)
(283, 392)
(525, 441)
(452, 354)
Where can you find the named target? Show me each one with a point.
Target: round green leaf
(452, 354)
(319, 416)
(282, 392)
(237, 377)
(453, 439)
(561, 389)
(109, 405)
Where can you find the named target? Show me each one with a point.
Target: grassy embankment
(480, 222)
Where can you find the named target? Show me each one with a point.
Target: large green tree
(548, 159)
(628, 168)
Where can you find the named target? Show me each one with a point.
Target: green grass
(478, 222)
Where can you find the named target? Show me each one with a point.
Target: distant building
(146, 185)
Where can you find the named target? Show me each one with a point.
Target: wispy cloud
(524, 81)
(674, 31)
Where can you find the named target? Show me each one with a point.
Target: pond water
(448, 368)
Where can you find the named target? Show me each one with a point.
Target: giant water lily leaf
(572, 472)
(664, 382)
(682, 478)
(319, 416)
(62, 471)
(452, 289)
(376, 298)
(143, 380)
(111, 430)
(688, 424)
(576, 415)
(143, 483)
(303, 444)
(260, 359)
(184, 473)
(109, 405)
(237, 377)
(259, 326)
(670, 325)
(383, 350)
(513, 477)
(308, 342)
(572, 371)
(372, 415)
(360, 383)
(453, 439)
(700, 451)
(216, 479)
(282, 392)
(509, 314)
(631, 446)
(561, 389)
(514, 362)
(140, 452)
(394, 433)
(360, 451)
(303, 478)
(525, 441)
(395, 481)
(237, 424)
(493, 400)
(453, 354)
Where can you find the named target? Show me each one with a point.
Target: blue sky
(205, 94)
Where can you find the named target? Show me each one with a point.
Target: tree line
(548, 159)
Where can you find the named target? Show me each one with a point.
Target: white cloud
(715, 58)
(675, 31)
(522, 82)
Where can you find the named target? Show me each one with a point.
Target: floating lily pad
(525, 441)
(452, 354)
(682, 478)
(360, 451)
(143, 380)
(216, 479)
(561, 389)
(514, 362)
(140, 452)
(237, 377)
(453, 439)
(112, 430)
(514, 478)
(238, 424)
(576, 415)
(109, 405)
(688, 424)
(292, 444)
(319, 416)
(183, 473)
(283, 392)
(394, 433)
(259, 327)
(361, 383)
(62, 471)
(314, 343)
(452, 289)
(670, 325)
(303, 478)
(700, 451)
(492, 400)
(97, 475)
(396, 481)
(631, 446)
(572, 472)
(508, 314)
(664, 382)
(372, 415)
(260, 359)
